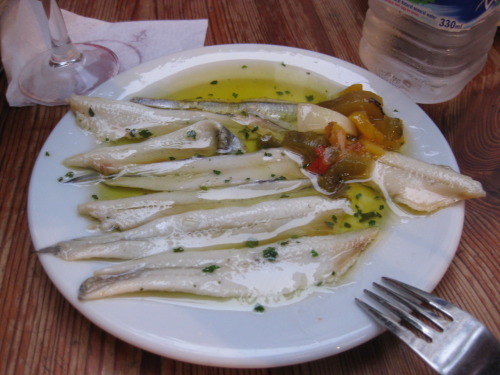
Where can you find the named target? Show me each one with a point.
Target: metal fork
(453, 344)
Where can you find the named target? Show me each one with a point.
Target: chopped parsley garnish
(347, 225)
(259, 308)
(359, 195)
(47, 153)
(203, 187)
(94, 196)
(270, 254)
(280, 93)
(330, 224)
(178, 249)
(171, 158)
(211, 268)
(214, 82)
(70, 174)
(145, 133)
(314, 253)
(91, 112)
(252, 243)
(244, 66)
(268, 154)
(245, 132)
(283, 64)
(216, 172)
(191, 134)
(309, 98)
(366, 216)
(235, 95)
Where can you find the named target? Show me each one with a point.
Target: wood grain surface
(41, 333)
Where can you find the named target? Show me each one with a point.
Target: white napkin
(24, 34)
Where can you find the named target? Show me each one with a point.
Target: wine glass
(52, 76)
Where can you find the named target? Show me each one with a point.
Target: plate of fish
(224, 206)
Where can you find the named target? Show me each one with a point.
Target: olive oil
(113, 192)
(241, 89)
(368, 205)
(244, 80)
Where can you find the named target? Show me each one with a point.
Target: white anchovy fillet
(274, 110)
(270, 271)
(111, 120)
(217, 226)
(210, 172)
(422, 186)
(127, 213)
(205, 138)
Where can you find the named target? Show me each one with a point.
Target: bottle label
(450, 15)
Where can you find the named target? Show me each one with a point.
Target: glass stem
(63, 51)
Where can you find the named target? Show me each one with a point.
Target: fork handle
(484, 359)
(491, 365)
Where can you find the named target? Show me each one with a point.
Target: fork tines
(401, 305)
(446, 337)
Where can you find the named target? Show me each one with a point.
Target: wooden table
(41, 333)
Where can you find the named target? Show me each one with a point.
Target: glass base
(47, 84)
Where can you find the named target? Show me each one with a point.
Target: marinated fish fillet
(218, 226)
(282, 112)
(211, 172)
(268, 271)
(127, 213)
(422, 186)
(110, 120)
(204, 138)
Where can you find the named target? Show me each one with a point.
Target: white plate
(417, 251)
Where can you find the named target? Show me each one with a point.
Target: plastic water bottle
(430, 49)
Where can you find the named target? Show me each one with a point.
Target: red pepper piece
(319, 165)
